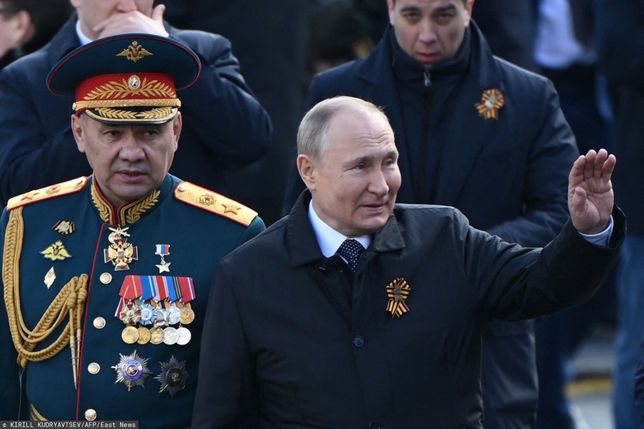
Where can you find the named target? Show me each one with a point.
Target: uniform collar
(131, 212)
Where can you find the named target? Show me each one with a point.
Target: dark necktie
(351, 250)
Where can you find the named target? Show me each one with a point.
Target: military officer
(106, 277)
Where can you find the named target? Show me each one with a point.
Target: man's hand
(133, 22)
(590, 192)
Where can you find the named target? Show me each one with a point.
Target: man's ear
(307, 170)
(390, 8)
(177, 124)
(78, 131)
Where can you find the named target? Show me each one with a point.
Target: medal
(56, 252)
(131, 370)
(184, 336)
(397, 292)
(187, 315)
(148, 314)
(50, 277)
(163, 250)
(129, 335)
(64, 227)
(144, 335)
(130, 314)
(156, 335)
(170, 336)
(173, 376)
(120, 253)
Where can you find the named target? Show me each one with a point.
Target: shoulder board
(53, 191)
(213, 202)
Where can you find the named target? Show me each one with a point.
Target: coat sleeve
(224, 114)
(27, 154)
(226, 394)
(553, 151)
(514, 282)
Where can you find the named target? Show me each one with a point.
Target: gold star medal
(163, 250)
(397, 292)
(131, 370)
(56, 252)
(491, 102)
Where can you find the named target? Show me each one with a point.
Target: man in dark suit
(476, 133)
(106, 277)
(227, 126)
(621, 41)
(354, 312)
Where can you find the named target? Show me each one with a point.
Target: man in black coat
(621, 40)
(355, 312)
(476, 133)
(226, 125)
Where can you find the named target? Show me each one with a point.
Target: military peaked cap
(127, 78)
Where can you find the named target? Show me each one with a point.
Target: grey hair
(313, 133)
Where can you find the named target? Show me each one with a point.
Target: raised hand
(590, 191)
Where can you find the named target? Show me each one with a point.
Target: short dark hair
(47, 16)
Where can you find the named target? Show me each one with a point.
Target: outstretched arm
(590, 191)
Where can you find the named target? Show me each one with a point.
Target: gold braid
(69, 301)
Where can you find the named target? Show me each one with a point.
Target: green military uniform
(67, 232)
(103, 305)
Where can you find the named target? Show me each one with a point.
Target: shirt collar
(328, 238)
(84, 40)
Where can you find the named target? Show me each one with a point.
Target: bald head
(313, 136)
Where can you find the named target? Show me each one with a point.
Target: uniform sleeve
(26, 152)
(553, 151)
(226, 394)
(223, 112)
(10, 386)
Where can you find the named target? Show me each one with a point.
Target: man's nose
(378, 183)
(131, 150)
(427, 33)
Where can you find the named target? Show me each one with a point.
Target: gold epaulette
(213, 202)
(52, 191)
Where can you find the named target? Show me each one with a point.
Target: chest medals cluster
(155, 309)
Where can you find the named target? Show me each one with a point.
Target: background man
(368, 314)
(106, 277)
(227, 127)
(476, 133)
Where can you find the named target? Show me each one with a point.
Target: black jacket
(284, 347)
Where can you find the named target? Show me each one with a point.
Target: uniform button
(181, 188)
(90, 414)
(105, 278)
(99, 323)
(358, 341)
(93, 368)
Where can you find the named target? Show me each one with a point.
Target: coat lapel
(460, 147)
